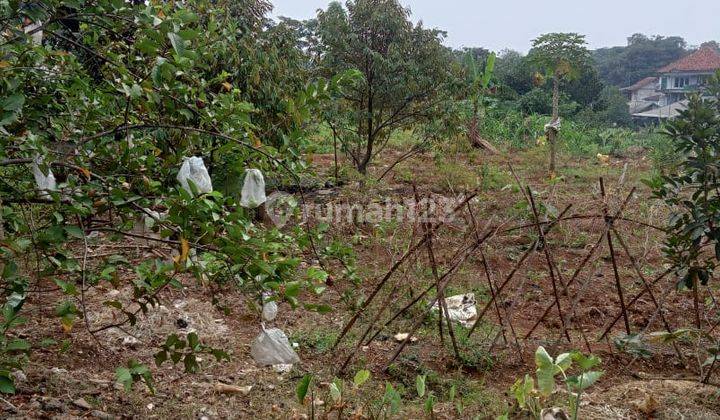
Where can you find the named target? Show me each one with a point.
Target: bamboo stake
(658, 304)
(515, 269)
(445, 280)
(548, 259)
(632, 301)
(392, 270)
(611, 249)
(584, 262)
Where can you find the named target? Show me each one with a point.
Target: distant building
(665, 96)
(642, 95)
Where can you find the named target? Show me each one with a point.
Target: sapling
(532, 398)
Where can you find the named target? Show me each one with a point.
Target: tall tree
(643, 55)
(478, 80)
(561, 56)
(406, 71)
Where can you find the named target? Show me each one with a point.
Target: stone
(102, 415)
(233, 389)
(53, 404)
(80, 402)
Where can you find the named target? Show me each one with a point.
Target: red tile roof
(704, 59)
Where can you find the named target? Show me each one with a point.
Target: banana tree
(479, 81)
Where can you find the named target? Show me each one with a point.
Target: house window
(681, 82)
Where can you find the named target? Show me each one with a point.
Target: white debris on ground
(461, 308)
(183, 316)
(272, 347)
(403, 336)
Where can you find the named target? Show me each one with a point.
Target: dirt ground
(71, 374)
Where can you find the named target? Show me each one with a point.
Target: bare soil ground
(73, 375)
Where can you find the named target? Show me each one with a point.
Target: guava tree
(406, 72)
(560, 56)
(110, 96)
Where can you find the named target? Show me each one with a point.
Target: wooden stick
(611, 249)
(444, 281)
(632, 301)
(515, 269)
(548, 259)
(658, 304)
(492, 294)
(584, 262)
(442, 306)
(392, 270)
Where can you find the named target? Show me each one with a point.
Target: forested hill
(641, 57)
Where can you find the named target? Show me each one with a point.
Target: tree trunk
(362, 167)
(474, 133)
(551, 132)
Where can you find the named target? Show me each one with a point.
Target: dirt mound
(659, 399)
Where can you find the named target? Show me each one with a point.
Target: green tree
(111, 107)
(478, 81)
(640, 58)
(692, 192)
(513, 70)
(406, 72)
(560, 56)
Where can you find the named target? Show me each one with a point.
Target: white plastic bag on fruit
(44, 182)
(253, 190)
(461, 309)
(269, 308)
(37, 34)
(193, 169)
(553, 125)
(272, 347)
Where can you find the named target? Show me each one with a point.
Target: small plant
(132, 373)
(533, 398)
(633, 345)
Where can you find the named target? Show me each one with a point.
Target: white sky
(514, 23)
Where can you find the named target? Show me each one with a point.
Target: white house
(665, 96)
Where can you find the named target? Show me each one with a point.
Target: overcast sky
(514, 23)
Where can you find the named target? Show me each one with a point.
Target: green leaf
(193, 341)
(545, 381)
(124, 377)
(18, 345)
(583, 381)
(160, 357)
(564, 361)
(13, 102)
(542, 358)
(177, 42)
(191, 364)
(430, 404)
(522, 389)
(7, 386)
(302, 387)
(489, 69)
(317, 274)
(361, 377)
(586, 362)
(335, 393)
(420, 385)
(67, 288)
